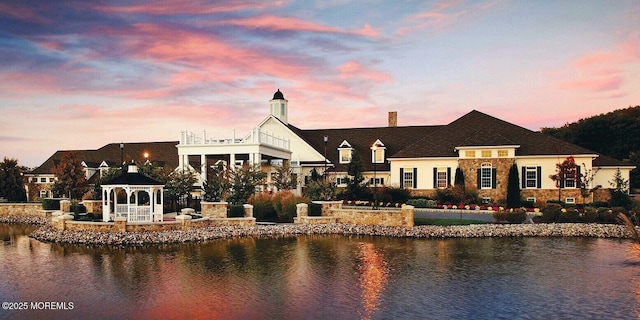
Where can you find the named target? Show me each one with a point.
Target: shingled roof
(478, 129)
(163, 153)
(361, 139)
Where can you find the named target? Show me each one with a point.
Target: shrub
(570, 215)
(551, 213)
(517, 216)
(78, 208)
(418, 203)
(51, 204)
(284, 202)
(235, 211)
(315, 209)
(590, 215)
(263, 209)
(605, 215)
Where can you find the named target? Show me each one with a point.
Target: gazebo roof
(133, 178)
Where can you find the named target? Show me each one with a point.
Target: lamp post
(326, 139)
(122, 154)
(374, 147)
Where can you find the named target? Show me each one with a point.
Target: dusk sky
(82, 74)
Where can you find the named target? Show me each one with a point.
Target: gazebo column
(232, 160)
(203, 167)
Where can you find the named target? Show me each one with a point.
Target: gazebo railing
(134, 213)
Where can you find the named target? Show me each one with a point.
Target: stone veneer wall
(332, 211)
(214, 209)
(382, 217)
(502, 165)
(93, 206)
(544, 195)
(22, 209)
(122, 226)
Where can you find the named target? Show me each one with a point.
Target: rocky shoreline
(47, 233)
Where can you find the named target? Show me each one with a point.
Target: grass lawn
(445, 222)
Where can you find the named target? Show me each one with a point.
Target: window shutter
(523, 181)
(448, 176)
(494, 175)
(479, 178)
(402, 178)
(578, 180)
(539, 177)
(415, 178)
(435, 178)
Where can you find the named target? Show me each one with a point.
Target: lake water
(323, 277)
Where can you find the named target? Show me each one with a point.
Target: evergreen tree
(179, 185)
(11, 183)
(459, 179)
(284, 179)
(620, 192)
(355, 188)
(513, 188)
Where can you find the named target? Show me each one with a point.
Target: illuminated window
(486, 176)
(486, 153)
(503, 153)
(470, 154)
(345, 155)
(441, 178)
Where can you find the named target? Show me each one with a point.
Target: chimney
(393, 118)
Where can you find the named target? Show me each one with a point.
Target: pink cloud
(601, 71)
(354, 69)
(171, 7)
(23, 12)
(276, 23)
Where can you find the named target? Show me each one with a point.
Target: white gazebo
(144, 201)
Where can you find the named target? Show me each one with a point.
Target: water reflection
(374, 272)
(326, 277)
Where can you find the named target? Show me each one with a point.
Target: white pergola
(144, 198)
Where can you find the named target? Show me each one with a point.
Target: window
(486, 200)
(486, 153)
(341, 181)
(570, 179)
(34, 180)
(570, 200)
(379, 181)
(407, 179)
(442, 178)
(486, 176)
(51, 179)
(345, 155)
(503, 153)
(377, 154)
(531, 177)
(43, 180)
(43, 193)
(531, 199)
(344, 152)
(469, 154)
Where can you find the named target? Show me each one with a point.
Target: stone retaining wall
(22, 209)
(333, 212)
(65, 222)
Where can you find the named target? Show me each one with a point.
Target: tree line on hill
(615, 134)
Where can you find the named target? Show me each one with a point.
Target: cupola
(278, 106)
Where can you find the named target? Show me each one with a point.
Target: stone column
(328, 205)
(248, 210)
(407, 215)
(65, 205)
(120, 224)
(185, 221)
(302, 211)
(217, 210)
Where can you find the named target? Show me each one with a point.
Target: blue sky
(81, 74)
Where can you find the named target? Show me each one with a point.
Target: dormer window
(377, 152)
(345, 152)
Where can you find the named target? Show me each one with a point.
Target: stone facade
(335, 213)
(217, 210)
(93, 206)
(469, 168)
(22, 209)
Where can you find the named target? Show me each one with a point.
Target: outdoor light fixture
(374, 147)
(326, 139)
